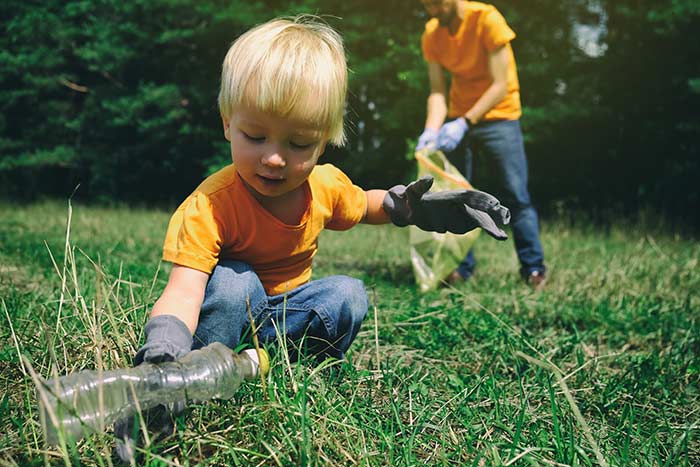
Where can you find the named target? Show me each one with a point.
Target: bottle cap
(261, 360)
(264, 362)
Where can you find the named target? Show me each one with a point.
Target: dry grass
(600, 368)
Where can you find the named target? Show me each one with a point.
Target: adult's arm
(437, 102)
(498, 69)
(183, 295)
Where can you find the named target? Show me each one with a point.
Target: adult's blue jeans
(501, 143)
(322, 316)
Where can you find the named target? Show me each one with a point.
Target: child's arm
(183, 296)
(174, 317)
(375, 213)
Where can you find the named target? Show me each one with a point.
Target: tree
(118, 96)
(121, 96)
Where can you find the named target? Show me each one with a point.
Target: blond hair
(292, 68)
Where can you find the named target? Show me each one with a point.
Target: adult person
(471, 41)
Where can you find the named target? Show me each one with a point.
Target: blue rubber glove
(426, 139)
(167, 339)
(451, 133)
(456, 211)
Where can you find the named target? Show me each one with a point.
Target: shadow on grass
(394, 274)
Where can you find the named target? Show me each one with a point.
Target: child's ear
(227, 130)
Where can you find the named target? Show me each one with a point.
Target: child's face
(273, 155)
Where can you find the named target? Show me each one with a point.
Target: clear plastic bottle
(89, 401)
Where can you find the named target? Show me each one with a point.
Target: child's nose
(274, 158)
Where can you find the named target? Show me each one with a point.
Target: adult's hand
(451, 133)
(456, 211)
(427, 138)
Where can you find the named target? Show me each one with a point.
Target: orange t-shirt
(465, 56)
(222, 220)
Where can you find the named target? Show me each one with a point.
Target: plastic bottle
(89, 401)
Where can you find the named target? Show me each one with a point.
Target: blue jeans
(325, 314)
(501, 142)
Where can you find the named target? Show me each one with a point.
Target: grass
(601, 368)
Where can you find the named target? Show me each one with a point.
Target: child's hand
(456, 211)
(167, 339)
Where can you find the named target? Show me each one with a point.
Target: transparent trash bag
(434, 255)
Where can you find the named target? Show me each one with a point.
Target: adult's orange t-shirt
(222, 220)
(465, 56)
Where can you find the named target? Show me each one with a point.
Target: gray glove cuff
(167, 338)
(395, 206)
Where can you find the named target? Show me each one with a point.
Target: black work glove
(167, 339)
(456, 211)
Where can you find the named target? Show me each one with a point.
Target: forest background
(120, 98)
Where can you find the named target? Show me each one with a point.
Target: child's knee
(232, 284)
(355, 304)
(232, 287)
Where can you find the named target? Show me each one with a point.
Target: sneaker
(536, 280)
(456, 278)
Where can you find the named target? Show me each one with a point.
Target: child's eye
(255, 139)
(300, 145)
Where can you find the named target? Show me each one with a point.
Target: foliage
(120, 97)
(617, 129)
(125, 92)
(452, 377)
